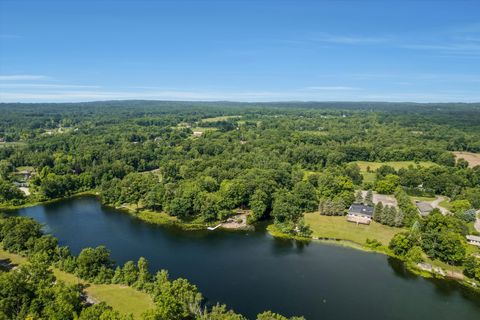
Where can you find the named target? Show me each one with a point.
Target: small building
(424, 208)
(474, 240)
(197, 133)
(360, 213)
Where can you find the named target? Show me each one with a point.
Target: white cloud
(22, 77)
(44, 86)
(247, 96)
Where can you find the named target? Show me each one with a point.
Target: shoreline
(148, 216)
(468, 283)
(164, 220)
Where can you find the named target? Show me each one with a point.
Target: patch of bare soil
(472, 158)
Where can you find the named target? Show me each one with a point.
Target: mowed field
(339, 228)
(221, 118)
(472, 158)
(370, 176)
(124, 299)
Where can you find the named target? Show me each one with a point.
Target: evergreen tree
(390, 214)
(369, 198)
(359, 197)
(399, 218)
(130, 273)
(143, 273)
(378, 212)
(118, 276)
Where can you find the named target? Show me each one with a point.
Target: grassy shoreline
(41, 202)
(123, 299)
(163, 219)
(351, 243)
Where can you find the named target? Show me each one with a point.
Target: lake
(252, 271)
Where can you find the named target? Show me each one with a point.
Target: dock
(213, 228)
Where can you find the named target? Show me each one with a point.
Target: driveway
(436, 204)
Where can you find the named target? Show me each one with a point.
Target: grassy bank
(337, 227)
(32, 203)
(164, 219)
(336, 230)
(125, 300)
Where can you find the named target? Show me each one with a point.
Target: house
(197, 133)
(423, 208)
(474, 240)
(360, 213)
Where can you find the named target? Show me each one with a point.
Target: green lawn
(446, 204)
(395, 164)
(203, 129)
(221, 118)
(369, 176)
(426, 199)
(338, 228)
(124, 299)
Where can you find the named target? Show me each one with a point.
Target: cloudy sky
(389, 50)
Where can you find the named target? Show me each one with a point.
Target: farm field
(472, 158)
(337, 227)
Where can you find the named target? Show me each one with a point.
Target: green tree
(388, 184)
(369, 198)
(94, 262)
(359, 197)
(259, 203)
(130, 273)
(378, 212)
(401, 243)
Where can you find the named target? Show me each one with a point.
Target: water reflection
(251, 271)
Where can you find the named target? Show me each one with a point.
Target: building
(423, 208)
(475, 240)
(197, 133)
(360, 213)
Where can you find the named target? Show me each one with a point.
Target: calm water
(252, 271)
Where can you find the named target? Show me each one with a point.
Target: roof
(473, 238)
(424, 207)
(361, 209)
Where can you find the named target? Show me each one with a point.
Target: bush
(373, 243)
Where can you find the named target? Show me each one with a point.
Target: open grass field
(395, 164)
(472, 158)
(222, 118)
(121, 298)
(124, 299)
(203, 129)
(370, 176)
(337, 227)
(425, 199)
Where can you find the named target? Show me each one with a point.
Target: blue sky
(424, 51)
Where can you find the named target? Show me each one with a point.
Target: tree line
(32, 291)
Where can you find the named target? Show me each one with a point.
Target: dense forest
(200, 162)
